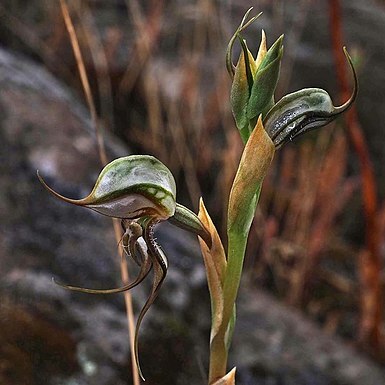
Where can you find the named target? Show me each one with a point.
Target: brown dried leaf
(253, 166)
(215, 263)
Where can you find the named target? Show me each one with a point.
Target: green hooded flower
(141, 191)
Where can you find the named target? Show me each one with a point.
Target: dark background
(311, 302)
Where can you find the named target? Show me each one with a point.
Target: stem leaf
(228, 379)
(256, 158)
(215, 263)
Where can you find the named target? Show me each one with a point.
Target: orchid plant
(141, 191)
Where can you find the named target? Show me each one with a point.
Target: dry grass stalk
(103, 159)
(370, 270)
(93, 40)
(303, 214)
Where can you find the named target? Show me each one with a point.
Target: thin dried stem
(100, 61)
(148, 29)
(128, 301)
(103, 158)
(84, 79)
(184, 154)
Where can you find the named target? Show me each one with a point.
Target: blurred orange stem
(370, 261)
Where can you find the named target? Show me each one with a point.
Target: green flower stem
(218, 357)
(219, 348)
(221, 341)
(255, 161)
(237, 241)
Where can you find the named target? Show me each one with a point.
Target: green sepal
(241, 89)
(130, 187)
(265, 82)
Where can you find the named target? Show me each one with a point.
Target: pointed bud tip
(279, 42)
(56, 194)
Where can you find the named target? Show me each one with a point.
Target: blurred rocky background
(310, 309)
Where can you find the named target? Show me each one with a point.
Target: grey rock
(278, 346)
